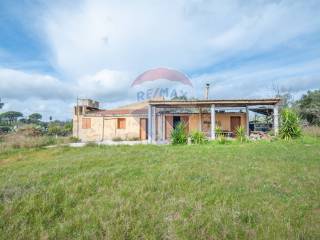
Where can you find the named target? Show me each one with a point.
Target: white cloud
(105, 84)
(134, 36)
(33, 92)
(259, 80)
(21, 85)
(99, 47)
(262, 26)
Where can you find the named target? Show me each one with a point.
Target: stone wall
(90, 134)
(105, 128)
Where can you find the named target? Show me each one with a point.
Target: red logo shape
(162, 73)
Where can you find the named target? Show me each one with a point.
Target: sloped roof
(139, 108)
(217, 102)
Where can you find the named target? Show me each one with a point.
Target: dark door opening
(235, 122)
(143, 128)
(176, 121)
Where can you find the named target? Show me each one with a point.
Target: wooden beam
(217, 103)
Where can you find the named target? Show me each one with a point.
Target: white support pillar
(247, 121)
(213, 121)
(163, 127)
(149, 124)
(160, 126)
(276, 119)
(200, 120)
(153, 125)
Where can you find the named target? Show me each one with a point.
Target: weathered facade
(154, 120)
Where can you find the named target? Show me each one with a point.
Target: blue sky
(53, 51)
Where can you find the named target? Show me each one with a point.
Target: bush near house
(221, 139)
(198, 137)
(178, 135)
(117, 139)
(289, 127)
(241, 134)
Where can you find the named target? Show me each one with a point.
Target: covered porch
(206, 116)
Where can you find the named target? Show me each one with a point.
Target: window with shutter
(86, 123)
(121, 123)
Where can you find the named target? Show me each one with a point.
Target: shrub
(117, 139)
(133, 139)
(68, 126)
(220, 137)
(178, 135)
(31, 130)
(74, 139)
(55, 130)
(241, 134)
(60, 129)
(5, 129)
(223, 140)
(198, 137)
(290, 127)
(218, 131)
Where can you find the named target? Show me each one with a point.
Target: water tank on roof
(89, 103)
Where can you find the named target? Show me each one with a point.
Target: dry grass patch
(313, 131)
(19, 140)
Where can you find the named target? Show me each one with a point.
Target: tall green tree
(35, 117)
(309, 107)
(11, 116)
(1, 104)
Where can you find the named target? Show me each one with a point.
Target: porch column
(200, 120)
(149, 124)
(163, 127)
(213, 121)
(160, 126)
(153, 125)
(247, 121)
(276, 119)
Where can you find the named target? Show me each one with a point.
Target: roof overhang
(217, 103)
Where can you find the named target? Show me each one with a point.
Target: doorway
(143, 128)
(176, 121)
(235, 122)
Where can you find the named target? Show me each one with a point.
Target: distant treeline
(12, 121)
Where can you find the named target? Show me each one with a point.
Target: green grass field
(236, 191)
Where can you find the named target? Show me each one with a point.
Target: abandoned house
(154, 120)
